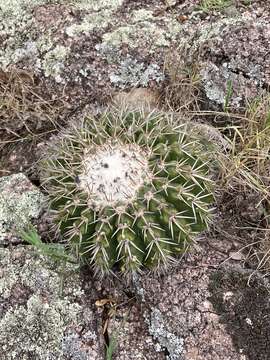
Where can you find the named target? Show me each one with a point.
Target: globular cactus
(128, 189)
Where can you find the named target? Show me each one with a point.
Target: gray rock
(166, 339)
(234, 54)
(123, 43)
(20, 202)
(178, 312)
(132, 338)
(173, 318)
(44, 312)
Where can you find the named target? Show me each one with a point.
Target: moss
(242, 301)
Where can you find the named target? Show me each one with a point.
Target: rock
(245, 312)
(44, 312)
(235, 61)
(20, 202)
(175, 310)
(133, 339)
(237, 256)
(76, 45)
(122, 44)
(179, 313)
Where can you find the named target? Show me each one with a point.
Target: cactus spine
(127, 188)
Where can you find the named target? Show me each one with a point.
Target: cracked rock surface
(93, 48)
(44, 313)
(179, 314)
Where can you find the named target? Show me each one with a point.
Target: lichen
(142, 28)
(166, 339)
(97, 20)
(37, 329)
(96, 5)
(40, 314)
(53, 63)
(134, 73)
(20, 202)
(16, 29)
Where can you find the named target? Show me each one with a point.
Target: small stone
(237, 256)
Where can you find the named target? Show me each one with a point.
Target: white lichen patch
(135, 35)
(17, 29)
(97, 4)
(20, 201)
(21, 40)
(166, 339)
(53, 63)
(113, 174)
(134, 73)
(40, 315)
(142, 28)
(45, 320)
(96, 20)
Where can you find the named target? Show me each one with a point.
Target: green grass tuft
(214, 5)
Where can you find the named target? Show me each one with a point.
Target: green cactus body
(127, 188)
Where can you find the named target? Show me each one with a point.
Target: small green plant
(228, 96)
(110, 349)
(127, 188)
(217, 5)
(55, 251)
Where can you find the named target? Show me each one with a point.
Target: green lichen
(143, 29)
(97, 20)
(134, 35)
(16, 29)
(39, 321)
(45, 42)
(96, 4)
(20, 201)
(53, 63)
(37, 273)
(40, 311)
(142, 15)
(212, 30)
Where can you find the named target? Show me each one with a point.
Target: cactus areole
(128, 189)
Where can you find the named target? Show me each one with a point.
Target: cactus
(128, 189)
